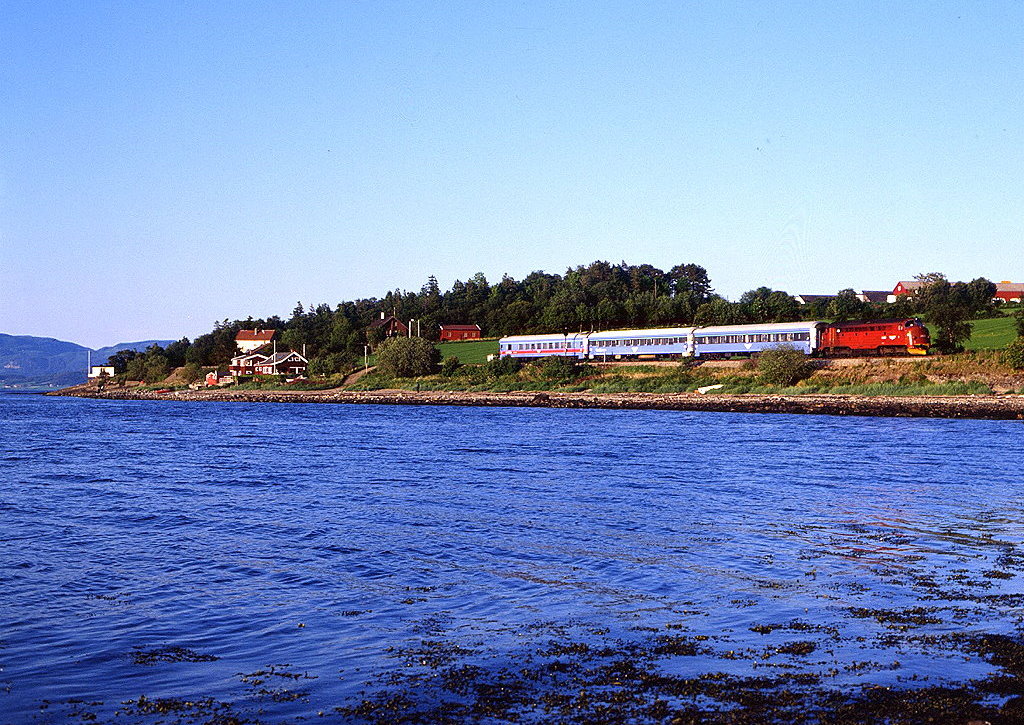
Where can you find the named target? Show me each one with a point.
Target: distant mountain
(44, 361)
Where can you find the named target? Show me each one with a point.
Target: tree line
(598, 296)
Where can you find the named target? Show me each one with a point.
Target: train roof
(754, 328)
(651, 332)
(888, 321)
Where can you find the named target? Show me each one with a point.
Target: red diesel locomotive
(907, 336)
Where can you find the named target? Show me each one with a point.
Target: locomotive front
(918, 339)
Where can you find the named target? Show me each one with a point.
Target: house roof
(461, 327)
(909, 284)
(1009, 286)
(256, 335)
(242, 359)
(388, 320)
(280, 357)
(876, 295)
(803, 299)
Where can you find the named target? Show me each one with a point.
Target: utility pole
(366, 357)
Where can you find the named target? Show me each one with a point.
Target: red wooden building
(391, 326)
(460, 332)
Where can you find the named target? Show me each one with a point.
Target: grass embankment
(966, 374)
(978, 371)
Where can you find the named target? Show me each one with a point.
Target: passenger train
(906, 336)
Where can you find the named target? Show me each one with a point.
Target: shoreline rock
(1009, 407)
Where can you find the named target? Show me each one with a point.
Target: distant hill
(28, 361)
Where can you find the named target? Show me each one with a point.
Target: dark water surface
(168, 561)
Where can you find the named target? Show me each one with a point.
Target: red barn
(907, 288)
(460, 332)
(1010, 291)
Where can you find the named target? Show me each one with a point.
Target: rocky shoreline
(1005, 407)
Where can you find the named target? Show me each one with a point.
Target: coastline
(984, 407)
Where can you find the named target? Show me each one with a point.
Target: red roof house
(249, 340)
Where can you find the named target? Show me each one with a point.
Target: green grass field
(992, 334)
(470, 351)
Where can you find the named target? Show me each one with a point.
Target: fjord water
(282, 560)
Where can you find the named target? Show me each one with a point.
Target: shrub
(325, 365)
(502, 366)
(157, 368)
(558, 368)
(783, 365)
(1013, 354)
(449, 366)
(191, 372)
(407, 357)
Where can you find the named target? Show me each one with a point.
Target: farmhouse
(391, 325)
(460, 332)
(867, 295)
(249, 340)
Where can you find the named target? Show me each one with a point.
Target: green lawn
(470, 351)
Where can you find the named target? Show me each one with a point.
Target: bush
(1013, 354)
(407, 357)
(502, 366)
(325, 365)
(558, 368)
(191, 372)
(783, 365)
(157, 368)
(449, 366)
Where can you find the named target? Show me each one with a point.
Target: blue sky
(165, 165)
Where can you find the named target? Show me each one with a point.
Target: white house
(96, 371)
